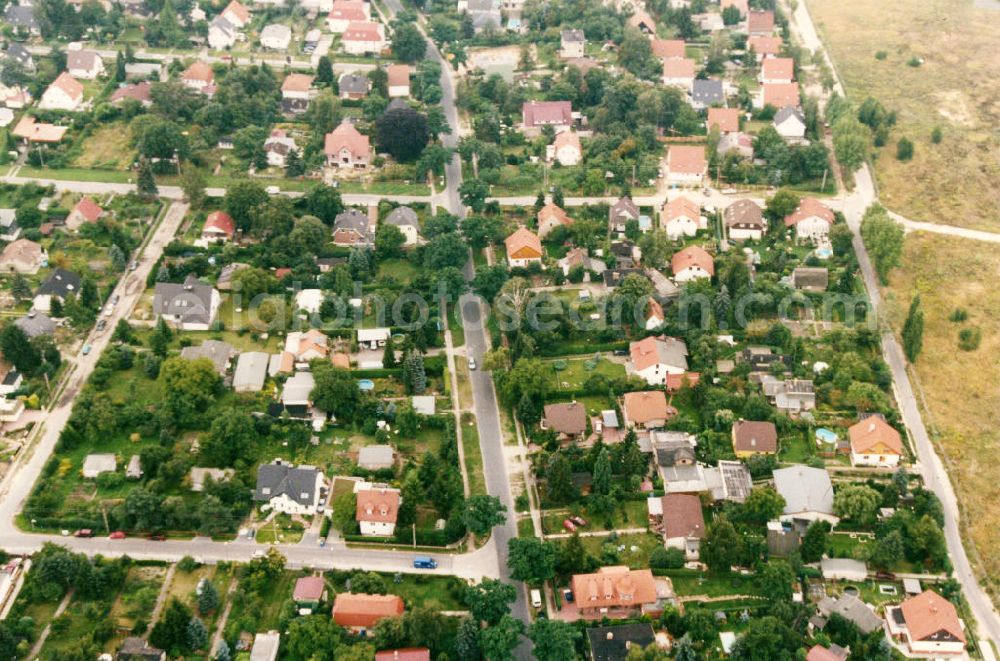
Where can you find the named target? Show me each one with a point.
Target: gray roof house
(251, 371)
(21, 18)
(406, 220)
(220, 353)
(60, 283)
(35, 324)
(352, 228)
(20, 54)
(189, 306)
(289, 489)
(853, 609)
(137, 649)
(353, 86)
(808, 494)
(707, 93)
(811, 278)
(376, 457)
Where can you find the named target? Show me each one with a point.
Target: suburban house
(35, 324)
(376, 511)
(278, 146)
(485, 14)
(65, 93)
(642, 21)
(927, 625)
(808, 494)
(219, 226)
(22, 19)
(686, 164)
(363, 37)
(851, 609)
(188, 306)
(23, 256)
(776, 70)
(354, 86)
(741, 143)
(84, 64)
(811, 278)
(84, 211)
(361, 612)
(345, 147)
(352, 228)
(309, 593)
(789, 396)
(566, 148)
(296, 91)
(59, 285)
(404, 654)
(572, 43)
(653, 358)
(707, 93)
(33, 131)
(621, 212)
(290, 490)
(680, 520)
(398, 80)
(134, 648)
(523, 248)
(219, 353)
(614, 591)
(236, 14)
(811, 219)
(668, 49)
(199, 77)
(751, 437)
(251, 371)
(778, 95)
(745, 220)
(790, 123)
(874, 442)
(139, 92)
(406, 220)
(9, 229)
(653, 316)
(760, 23)
(376, 457)
(692, 263)
(646, 409)
(536, 114)
(95, 464)
(550, 217)
(567, 419)
(580, 257)
(726, 119)
(345, 12)
(276, 36)
(681, 217)
(765, 46)
(678, 73)
(16, 52)
(222, 33)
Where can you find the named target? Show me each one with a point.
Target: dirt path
(37, 647)
(220, 626)
(162, 597)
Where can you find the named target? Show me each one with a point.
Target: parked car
(568, 596)
(578, 520)
(118, 534)
(115, 299)
(159, 537)
(569, 525)
(621, 352)
(134, 265)
(84, 532)
(102, 324)
(86, 349)
(472, 363)
(424, 562)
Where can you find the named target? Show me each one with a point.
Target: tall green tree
(193, 185)
(498, 641)
(722, 546)
(414, 375)
(146, 183)
(490, 600)
(408, 44)
(18, 349)
(554, 640)
(913, 330)
(602, 474)
(483, 512)
(531, 559)
(883, 237)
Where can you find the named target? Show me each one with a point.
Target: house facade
(874, 442)
(653, 358)
(290, 490)
(692, 263)
(376, 511)
(523, 248)
(346, 147)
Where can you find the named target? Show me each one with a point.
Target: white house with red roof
(85, 211)
(236, 14)
(363, 37)
(928, 626)
(566, 148)
(765, 46)
(65, 93)
(686, 164)
(219, 226)
(778, 95)
(692, 263)
(681, 217)
(345, 12)
(538, 114)
(678, 73)
(811, 219)
(398, 80)
(346, 147)
(777, 70)
(653, 358)
(198, 76)
(137, 92)
(297, 86)
(376, 511)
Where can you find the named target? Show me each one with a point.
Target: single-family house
(765, 46)
(134, 648)
(85, 64)
(309, 593)
(668, 49)
(580, 257)
(22, 256)
(236, 13)
(692, 263)
(707, 93)
(290, 490)
(874, 442)
(65, 93)
(9, 229)
(654, 357)
(811, 219)
(222, 33)
(406, 220)
(32, 131)
(59, 285)
(354, 86)
(485, 14)
(306, 346)
(681, 216)
(523, 248)
(361, 612)
(653, 317)
(276, 36)
(810, 278)
(345, 12)
(16, 52)
(760, 22)
(398, 80)
(219, 353)
(95, 464)
(550, 217)
(376, 511)
(278, 146)
(140, 92)
(251, 371)
(646, 409)
(727, 120)
(296, 89)
(376, 457)
(22, 19)
(745, 220)
(352, 228)
(536, 114)
(686, 164)
(188, 306)
(789, 396)
(566, 148)
(567, 419)
(928, 626)
(678, 72)
(642, 21)
(778, 95)
(741, 143)
(751, 437)
(404, 654)
(851, 609)
(614, 591)
(572, 43)
(363, 37)
(265, 646)
(346, 147)
(199, 77)
(790, 123)
(777, 70)
(35, 324)
(682, 522)
(621, 212)
(84, 211)
(808, 494)
(219, 226)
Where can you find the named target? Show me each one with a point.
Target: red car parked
(118, 534)
(569, 525)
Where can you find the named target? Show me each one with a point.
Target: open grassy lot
(432, 592)
(571, 374)
(956, 87)
(962, 400)
(690, 582)
(635, 553)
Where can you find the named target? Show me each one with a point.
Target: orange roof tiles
(614, 587)
(365, 610)
(873, 435)
(692, 256)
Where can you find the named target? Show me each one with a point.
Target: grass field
(956, 87)
(962, 400)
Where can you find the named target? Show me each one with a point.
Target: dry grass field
(961, 388)
(957, 87)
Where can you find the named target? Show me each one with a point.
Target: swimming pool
(366, 384)
(826, 436)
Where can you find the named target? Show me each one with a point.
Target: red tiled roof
(221, 221)
(348, 10)
(68, 84)
(614, 587)
(237, 10)
(872, 432)
(760, 21)
(682, 516)
(778, 68)
(377, 506)
(692, 256)
(346, 136)
(405, 654)
(781, 95)
(523, 240)
(34, 131)
(727, 119)
(765, 45)
(686, 159)
(365, 610)
(645, 406)
(539, 113)
(399, 75)
(297, 82)
(199, 71)
(753, 436)
(808, 208)
(89, 209)
(309, 588)
(681, 207)
(362, 31)
(668, 48)
(677, 68)
(138, 91)
(929, 613)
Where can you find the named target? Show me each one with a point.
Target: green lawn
(629, 514)
(689, 582)
(473, 455)
(796, 448)
(432, 592)
(401, 270)
(578, 370)
(636, 551)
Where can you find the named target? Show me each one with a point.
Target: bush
(969, 339)
(958, 314)
(904, 149)
(187, 564)
(936, 135)
(915, 61)
(881, 55)
(664, 558)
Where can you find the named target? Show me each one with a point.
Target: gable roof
(727, 119)
(682, 516)
(404, 654)
(348, 10)
(277, 479)
(199, 71)
(89, 209)
(138, 91)
(624, 207)
(398, 75)
(614, 587)
(678, 68)
(237, 10)
(668, 48)
(805, 489)
(707, 92)
(190, 301)
(658, 350)
(82, 59)
(523, 239)
(765, 44)
(69, 85)
(21, 251)
(744, 213)
(760, 21)
(35, 324)
(221, 221)
(754, 436)
(681, 207)
(347, 137)
(567, 139)
(309, 588)
(33, 131)
(645, 406)
(692, 256)
(552, 211)
(809, 207)
(365, 610)
(872, 433)
(566, 418)
(377, 505)
(352, 83)
(686, 159)
(852, 609)
(402, 217)
(539, 113)
(820, 653)
(60, 283)
(572, 36)
(297, 82)
(778, 68)
(787, 113)
(780, 95)
(362, 31)
(251, 370)
(931, 617)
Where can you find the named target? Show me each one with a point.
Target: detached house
(678, 73)
(406, 220)
(276, 36)
(137, 92)
(352, 228)
(615, 591)
(523, 248)
(566, 148)
(765, 46)
(727, 120)
(236, 14)
(189, 306)
(290, 490)
(354, 86)
(567, 420)
(59, 285)
(296, 92)
(751, 437)
(790, 123)
(653, 358)
(65, 93)
(199, 77)
(363, 37)
(874, 442)
(928, 625)
(681, 217)
(222, 33)
(686, 164)
(84, 211)
(550, 217)
(376, 511)
(22, 256)
(219, 226)
(278, 146)
(811, 219)
(536, 114)
(681, 521)
(361, 612)
(707, 93)
(692, 263)
(572, 43)
(346, 147)
(808, 494)
(778, 95)
(22, 19)
(345, 12)
(646, 410)
(745, 220)
(760, 23)
(777, 70)
(84, 64)
(668, 49)
(398, 80)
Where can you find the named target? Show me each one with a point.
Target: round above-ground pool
(366, 384)
(826, 436)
